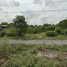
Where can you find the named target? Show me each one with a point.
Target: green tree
(20, 24)
(4, 23)
(45, 25)
(63, 24)
(58, 30)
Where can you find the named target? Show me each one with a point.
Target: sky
(36, 12)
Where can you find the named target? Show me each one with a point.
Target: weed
(66, 50)
(34, 51)
(58, 58)
(40, 48)
(62, 51)
(24, 53)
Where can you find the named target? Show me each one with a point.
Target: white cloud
(31, 10)
(14, 3)
(1, 9)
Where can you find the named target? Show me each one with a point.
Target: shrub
(37, 29)
(65, 31)
(50, 28)
(51, 33)
(2, 33)
(11, 32)
(58, 30)
(31, 30)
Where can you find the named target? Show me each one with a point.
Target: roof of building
(4, 25)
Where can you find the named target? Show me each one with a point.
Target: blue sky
(36, 12)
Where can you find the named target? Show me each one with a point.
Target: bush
(65, 31)
(31, 30)
(2, 33)
(51, 33)
(11, 32)
(50, 28)
(58, 30)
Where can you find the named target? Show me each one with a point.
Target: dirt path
(51, 42)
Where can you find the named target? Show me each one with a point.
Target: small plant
(24, 53)
(64, 45)
(51, 33)
(47, 46)
(40, 48)
(61, 51)
(56, 64)
(52, 47)
(58, 58)
(66, 50)
(34, 51)
(57, 48)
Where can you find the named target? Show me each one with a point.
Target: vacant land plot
(33, 55)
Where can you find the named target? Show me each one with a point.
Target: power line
(38, 18)
(33, 3)
(34, 11)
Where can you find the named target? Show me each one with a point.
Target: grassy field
(39, 36)
(29, 55)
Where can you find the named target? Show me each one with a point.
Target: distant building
(4, 26)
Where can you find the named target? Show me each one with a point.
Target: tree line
(19, 26)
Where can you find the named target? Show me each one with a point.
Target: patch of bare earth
(52, 54)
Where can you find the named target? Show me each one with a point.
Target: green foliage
(35, 29)
(32, 61)
(4, 23)
(57, 48)
(40, 48)
(20, 48)
(65, 31)
(24, 53)
(58, 58)
(50, 28)
(44, 26)
(5, 49)
(31, 30)
(63, 24)
(26, 59)
(51, 33)
(19, 22)
(13, 63)
(58, 30)
(2, 33)
(11, 32)
(34, 51)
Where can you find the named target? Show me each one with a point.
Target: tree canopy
(20, 24)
